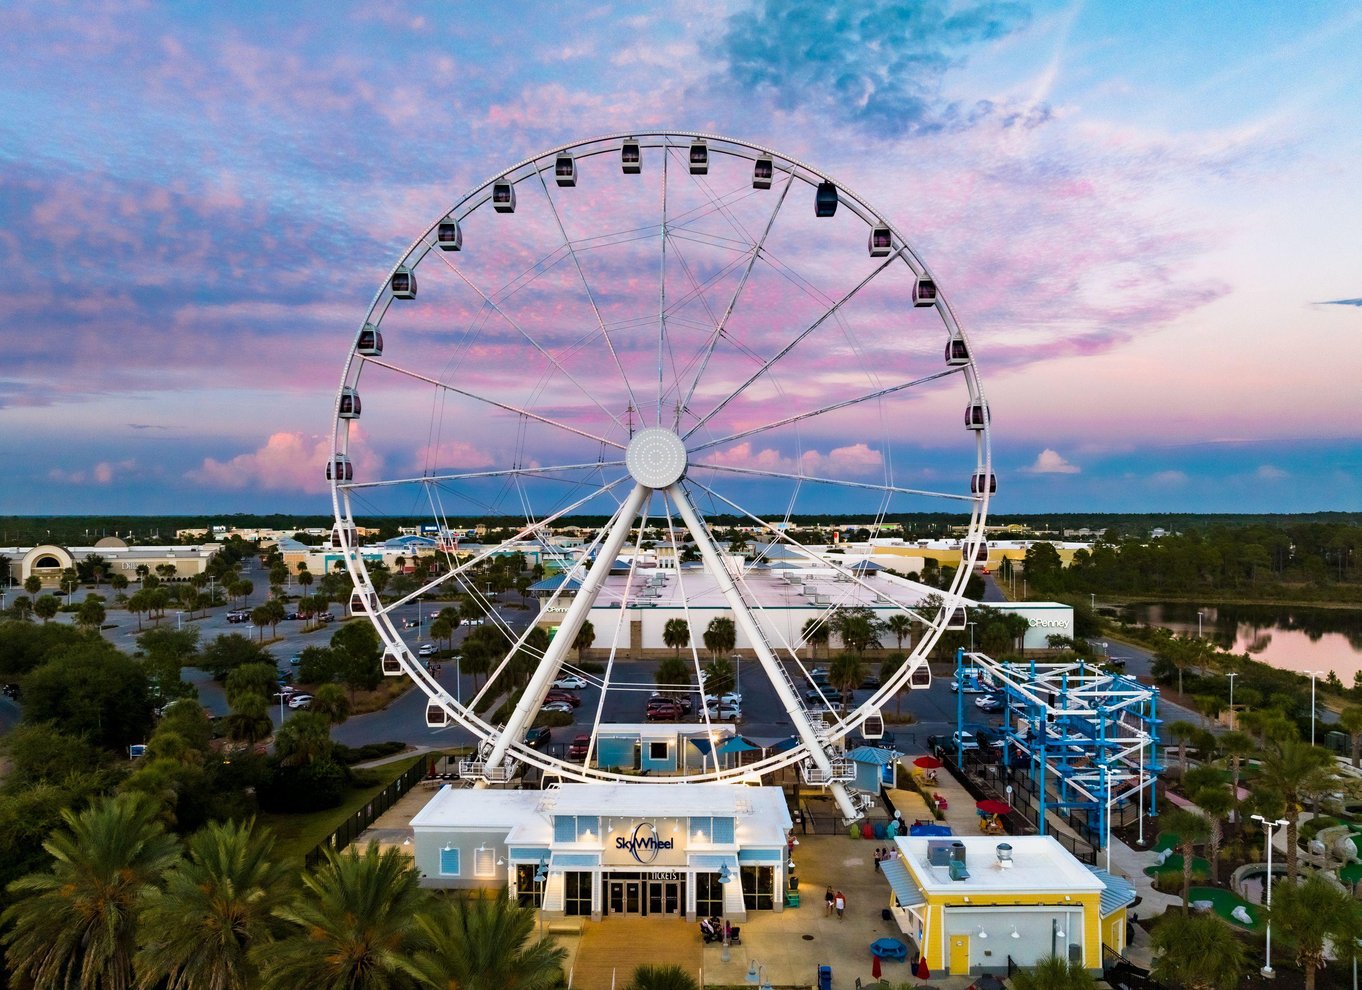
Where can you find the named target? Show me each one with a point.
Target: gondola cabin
(349, 403)
(565, 170)
(873, 726)
(921, 677)
(976, 416)
(956, 620)
(403, 283)
(881, 241)
(449, 235)
(631, 158)
(924, 291)
(363, 602)
(339, 468)
(825, 200)
(978, 552)
(370, 341)
(436, 716)
(699, 157)
(392, 662)
(503, 197)
(762, 173)
(957, 352)
(980, 483)
(343, 537)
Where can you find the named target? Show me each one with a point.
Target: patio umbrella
(737, 744)
(928, 763)
(992, 806)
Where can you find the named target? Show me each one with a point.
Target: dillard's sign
(643, 844)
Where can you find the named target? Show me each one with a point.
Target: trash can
(824, 978)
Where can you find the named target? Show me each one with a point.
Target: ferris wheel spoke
(839, 482)
(504, 406)
(538, 347)
(823, 410)
(771, 361)
(432, 479)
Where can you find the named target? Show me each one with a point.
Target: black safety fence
(365, 816)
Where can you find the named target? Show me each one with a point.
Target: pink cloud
(1051, 462)
(285, 462)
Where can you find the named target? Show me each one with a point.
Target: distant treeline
(85, 530)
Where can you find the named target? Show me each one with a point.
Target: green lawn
(1174, 864)
(1226, 901)
(297, 835)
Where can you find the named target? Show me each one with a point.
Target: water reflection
(1299, 638)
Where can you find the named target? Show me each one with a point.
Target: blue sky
(1144, 215)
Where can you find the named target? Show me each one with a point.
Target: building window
(759, 887)
(484, 862)
(578, 894)
(709, 895)
(449, 862)
(529, 893)
(658, 751)
(723, 831)
(701, 829)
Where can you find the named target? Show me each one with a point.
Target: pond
(1289, 637)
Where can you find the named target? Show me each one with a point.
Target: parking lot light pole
(1268, 828)
(1232, 675)
(1313, 674)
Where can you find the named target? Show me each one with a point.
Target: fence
(351, 828)
(991, 781)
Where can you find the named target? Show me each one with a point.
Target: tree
(1190, 828)
(260, 618)
(816, 633)
(586, 636)
(719, 676)
(1313, 915)
(91, 689)
(1053, 973)
(355, 925)
(33, 584)
(229, 651)
(847, 671)
(359, 653)
(76, 924)
(1291, 770)
(484, 943)
(1196, 951)
(672, 672)
(259, 679)
(249, 721)
(23, 607)
(721, 635)
(1236, 746)
(91, 613)
(900, 626)
(661, 977)
(676, 634)
(118, 582)
(217, 905)
(331, 703)
(1209, 793)
(46, 607)
(303, 740)
(1350, 721)
(857, 628)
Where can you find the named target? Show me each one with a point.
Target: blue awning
(905, 888)
(715, 861)
(737, 744)
(702, 744)
(535, 853)
(760, 855)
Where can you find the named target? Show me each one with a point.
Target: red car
(663, 712)
(577, 749)
(567, 696)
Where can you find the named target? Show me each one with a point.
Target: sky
(1144, 216)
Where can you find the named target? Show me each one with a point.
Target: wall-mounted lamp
(500, 861)
(791, 864)
(406, 842)
(448, 847)
(983, 934)
(1015, 933)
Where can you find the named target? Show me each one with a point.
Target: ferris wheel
(643, 357)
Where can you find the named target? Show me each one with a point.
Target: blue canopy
(736, 744)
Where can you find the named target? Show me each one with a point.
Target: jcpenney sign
(1048, 623)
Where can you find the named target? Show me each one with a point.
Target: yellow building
(972, 904)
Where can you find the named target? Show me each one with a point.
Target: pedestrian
(841, 904)
(878, 853)
(828, 899)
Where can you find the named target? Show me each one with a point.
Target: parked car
(989, 703)
(296, 659)
(577, 749)
(426, 650)
(831, 695)
(556, 706)
(538, 736)
(725, 713)
(663, 712)
(571, 682)
(964, 741)
(300, 701)
(564, 696)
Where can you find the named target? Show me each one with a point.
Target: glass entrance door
(626, 897)
(664, 897)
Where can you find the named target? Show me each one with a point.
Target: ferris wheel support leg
(562, 640)
(748, 625)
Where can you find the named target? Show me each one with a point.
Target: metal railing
(353, 826)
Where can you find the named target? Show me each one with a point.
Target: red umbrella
(992, 806)
(875, 970)
(923, 973)
(928, 763)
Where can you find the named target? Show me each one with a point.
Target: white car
(557, 706)
(731, 698)
(426, 650)
(570, 683)
(300, 701)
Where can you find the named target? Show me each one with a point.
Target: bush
(553, 719)
(591, 667)
(313, 787)
(370, 751)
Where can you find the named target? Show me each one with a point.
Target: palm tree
(1182, 731)
(815, 632)
(900, 625)
(676, 634)
(1292, 769)
(217, 904)
(847, 672)
(1350, 721)
(1053, 973)
(1211, 796)
(720, 636)
(1235, 746)
(586, 635)
(661, 977)
(249, 722)
(1196, 951)
(331, 702)
(354, 926)
(1312, 915)
(76, 925)
(483, 943)
(1190, 828)
(672, 671)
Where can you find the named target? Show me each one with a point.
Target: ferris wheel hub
(656, 457)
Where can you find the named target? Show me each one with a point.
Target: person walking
(877, 860)
(828, 899)
(840, 902)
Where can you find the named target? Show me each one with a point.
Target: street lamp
(1199, 614)
(724, 877)
(541, 877)
(178, 623)
(1313, 674)
(1232, 676)
(1093, 595)
(1268, 827)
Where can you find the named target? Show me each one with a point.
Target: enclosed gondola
(503, 197)
(699, 157)
(339, 468)
(873, 726)
(343, 536)
(881, 241)
(981, 482)
(436, 716)
(403, 283)
(631, 158)
(349, 403)
(370, 341)
(924, 291)
(763, 172)
(825, 200)
(976, 416)
(449, 235)
(392, 662)
(363, 602)
(565, 170)
(957, 351)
